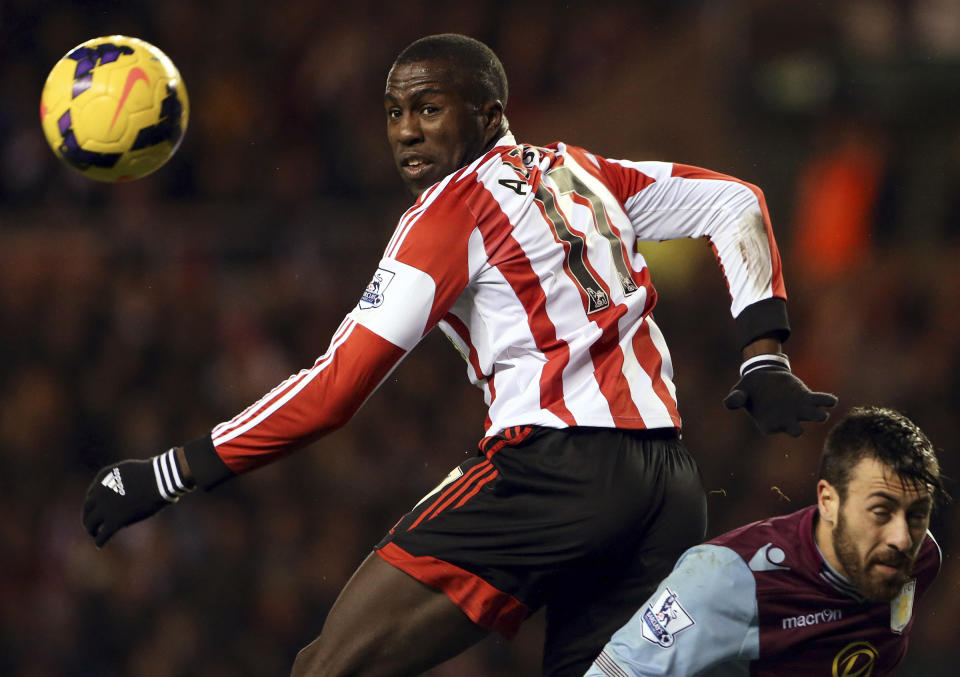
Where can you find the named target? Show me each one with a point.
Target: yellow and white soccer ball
(114, 108)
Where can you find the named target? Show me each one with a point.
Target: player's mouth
(415, 167)
(892, 568)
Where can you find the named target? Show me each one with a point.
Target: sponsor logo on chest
(815, 618)
(855, 660)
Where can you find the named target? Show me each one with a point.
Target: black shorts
(583, 521)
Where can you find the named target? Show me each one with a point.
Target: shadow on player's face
(880, 527)
(433, 128)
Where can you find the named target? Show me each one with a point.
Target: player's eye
(430, 109)
(394, 113)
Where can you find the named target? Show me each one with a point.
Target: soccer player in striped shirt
(828, 590)
(581, 496)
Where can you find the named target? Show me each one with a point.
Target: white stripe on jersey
(640, 382)
(666, 368)
(268, 404)
(518, 360)
(533, 262)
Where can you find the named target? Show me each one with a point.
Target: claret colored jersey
(527, 260)
(761, 600)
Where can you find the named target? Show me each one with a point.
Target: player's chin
(416, 186)
(885, 583)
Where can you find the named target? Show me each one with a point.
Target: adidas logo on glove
(113, 481)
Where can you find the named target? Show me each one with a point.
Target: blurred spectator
(837, 195)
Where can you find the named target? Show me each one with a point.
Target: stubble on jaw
(858, 572)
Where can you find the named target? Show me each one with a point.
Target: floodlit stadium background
(136, 316)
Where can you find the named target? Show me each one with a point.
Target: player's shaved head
(886, 435)
(473, 65)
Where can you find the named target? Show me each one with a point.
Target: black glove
(775, 398)
(130, 491)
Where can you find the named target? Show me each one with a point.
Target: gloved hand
(775, 398)
(129, 491)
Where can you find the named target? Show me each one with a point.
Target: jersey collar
(825, 571)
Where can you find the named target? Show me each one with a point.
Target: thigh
(479, 537)
(595, 599)
(386, 623)
(506, 526)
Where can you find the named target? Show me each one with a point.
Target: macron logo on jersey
(372, 296)
(663, 619)
(806, 620)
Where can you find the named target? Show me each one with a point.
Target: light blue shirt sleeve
(702, 620)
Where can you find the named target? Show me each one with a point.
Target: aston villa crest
(901, 608)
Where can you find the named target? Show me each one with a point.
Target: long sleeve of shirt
(667, 201)
(701, 620)
(527, 260)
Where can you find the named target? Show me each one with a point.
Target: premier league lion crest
(372, 296)
(663, 619)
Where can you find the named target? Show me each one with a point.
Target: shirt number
(596, 294)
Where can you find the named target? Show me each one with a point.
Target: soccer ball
(114, 108)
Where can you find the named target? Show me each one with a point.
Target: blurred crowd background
(136, 316)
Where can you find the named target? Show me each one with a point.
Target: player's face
(880, 528)
(433, 128)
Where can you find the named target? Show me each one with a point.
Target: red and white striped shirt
(527, 260)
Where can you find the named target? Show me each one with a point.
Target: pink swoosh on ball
(135, 74)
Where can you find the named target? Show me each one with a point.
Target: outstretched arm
(367, 346)
(306, 406)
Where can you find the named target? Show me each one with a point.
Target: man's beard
(873, 585)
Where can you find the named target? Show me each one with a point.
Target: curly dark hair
(888, 436)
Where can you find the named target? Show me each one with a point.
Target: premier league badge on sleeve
(663, 619)
(372, 296)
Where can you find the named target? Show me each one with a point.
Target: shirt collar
(827, 573)
(506, 140)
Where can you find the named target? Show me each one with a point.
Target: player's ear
(828, 502)
(492, 118)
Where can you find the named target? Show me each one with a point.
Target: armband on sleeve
(206, 466)
(396, 303)
(766, 318)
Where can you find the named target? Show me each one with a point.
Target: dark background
(136, 316)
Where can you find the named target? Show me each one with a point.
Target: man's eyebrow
(416, 93)
(893, 499)
(884, 495)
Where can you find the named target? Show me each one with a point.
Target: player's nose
(898, 534)
(407, 129)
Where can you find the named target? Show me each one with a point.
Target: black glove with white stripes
(129, 491)
(776, 399)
